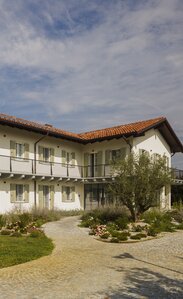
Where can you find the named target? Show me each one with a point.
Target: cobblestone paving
(81, 267)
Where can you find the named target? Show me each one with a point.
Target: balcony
(30, 168)
(21, 167)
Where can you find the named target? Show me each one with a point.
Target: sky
(81, 65)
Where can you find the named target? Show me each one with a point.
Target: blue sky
(82, 64)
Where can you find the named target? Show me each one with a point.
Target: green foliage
(150, 216)
(5, 232)
(152, 231)
(179, 226)
(114, 240)
(37, 234)
(105, 216)
(17, 250)
(138, 181)
(122, 222)
(2, 221)
(16, 234)
(105, 235)
(138, 236)
(177, 215)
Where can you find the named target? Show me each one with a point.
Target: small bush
(122, 222)
(36, 234)
(2, 221)
(105, 236)
(177, 215)
(5, 232)
(16, 234)
(114, 240)
(137, 228)
(152, 231)
(179, 226)
(24, 219)
(138, 236)
(123, 236)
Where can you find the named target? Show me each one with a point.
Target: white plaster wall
(7, 206)
(22, 136)
(153, 142)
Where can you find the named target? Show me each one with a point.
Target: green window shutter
(99, 164)
(107, 156)
(26, 151)
(26, 193)
(63, 156)
(73, 157)
(123, 152)
(12, 193)
(52, 153)
(86, 159)
(40, 151)
(73, 194)
(40, 196)
(12, 148)
(52, 193)
(64, 193)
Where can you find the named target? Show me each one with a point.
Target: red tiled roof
(46, 128)
(131, 128)
(134, 129)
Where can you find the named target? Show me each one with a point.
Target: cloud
(88, 64)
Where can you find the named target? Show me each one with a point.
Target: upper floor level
(29, 153)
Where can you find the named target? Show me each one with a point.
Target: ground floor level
(69, 195)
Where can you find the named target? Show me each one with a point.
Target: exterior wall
(20, 165)
(6, 205)
(153, 142)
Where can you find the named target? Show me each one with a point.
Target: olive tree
(138, 181)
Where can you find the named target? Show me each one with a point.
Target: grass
(16, 250)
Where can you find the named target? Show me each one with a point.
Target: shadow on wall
(145, 283)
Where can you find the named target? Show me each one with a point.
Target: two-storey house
(45, 167)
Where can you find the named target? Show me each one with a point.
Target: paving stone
(81, 267)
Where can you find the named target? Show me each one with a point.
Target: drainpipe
(127, 141)
(35, 150)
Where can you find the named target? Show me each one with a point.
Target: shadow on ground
(145, 283)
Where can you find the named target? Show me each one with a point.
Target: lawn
(18, 250)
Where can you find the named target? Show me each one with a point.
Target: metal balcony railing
(25, 166)
(9, 164)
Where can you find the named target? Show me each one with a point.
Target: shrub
(114, 240)
(123, 236)
(151, 216)
(122, 222)
(104, 215)
(16, 234)
(137, 228)
(6, 232)
(138, 236)
(152, 231)
(179, 226)
(24, 219)
(36, 234)
(2, 221)
(177, 215)
(105, 235)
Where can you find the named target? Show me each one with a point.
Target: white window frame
(115, 154)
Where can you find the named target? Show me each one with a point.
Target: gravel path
(81, 267)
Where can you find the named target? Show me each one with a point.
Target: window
(115, 154)
(68, 158)
(19, 192)
(68, 194)
(46, 154)
(19, 150)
